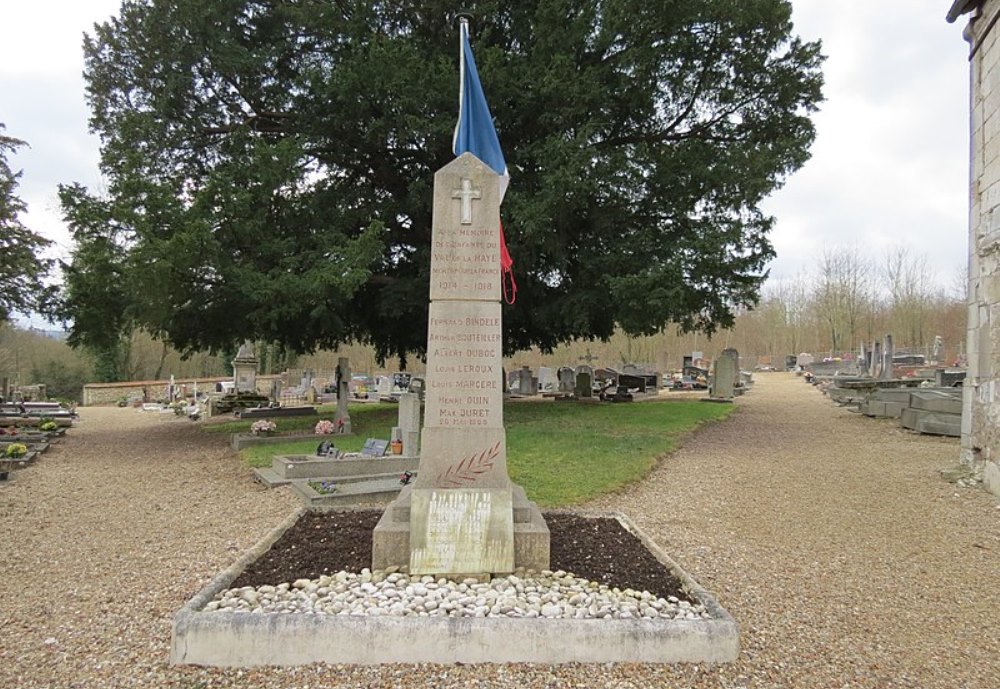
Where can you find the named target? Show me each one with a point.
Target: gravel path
(886, 575)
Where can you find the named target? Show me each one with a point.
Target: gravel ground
(886, 575)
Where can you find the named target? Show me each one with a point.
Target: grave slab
(286, 468)
(354, 490)
(936, 401)
(932, 423)
(238, 441)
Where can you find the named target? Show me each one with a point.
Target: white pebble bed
(393, 592)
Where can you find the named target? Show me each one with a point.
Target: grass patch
(561, 453)
(564, 454)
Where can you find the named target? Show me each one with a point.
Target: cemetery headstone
(245, 369)
(342, 418)
(409, 423)
(584, 382)
(567, 379)
(385, 387)
(526, 384)
(886, 372)
(546, 379)
(727, 371)
(307, 380)
(458, 513)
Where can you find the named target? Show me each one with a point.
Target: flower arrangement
(15, 450)
(263, 427)
(48, 425)
(325, 427)
(324, 487)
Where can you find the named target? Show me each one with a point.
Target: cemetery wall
(981, 399)
(96, 394)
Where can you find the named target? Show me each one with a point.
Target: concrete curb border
(226, 639)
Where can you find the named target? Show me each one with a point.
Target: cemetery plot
(674, 621)
(926, 400)
(23, 439)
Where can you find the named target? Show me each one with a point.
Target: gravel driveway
(846, 559)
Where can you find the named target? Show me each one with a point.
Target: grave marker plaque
(464, 531)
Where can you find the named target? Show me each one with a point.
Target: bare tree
(843, 295)
(912, 292)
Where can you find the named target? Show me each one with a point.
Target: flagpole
(463, 26)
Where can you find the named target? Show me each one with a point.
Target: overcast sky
(889, 166)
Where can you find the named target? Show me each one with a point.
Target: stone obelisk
(462, 514)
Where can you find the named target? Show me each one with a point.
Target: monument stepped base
(226, 639)
(391, 537)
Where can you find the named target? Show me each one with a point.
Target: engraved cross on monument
(462, 514)
(466, 194)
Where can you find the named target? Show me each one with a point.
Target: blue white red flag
(476, 134)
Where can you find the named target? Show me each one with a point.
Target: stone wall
(97, 394)
(981, 398)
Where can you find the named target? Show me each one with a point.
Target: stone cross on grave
(467, 194)
(462, 515)
(590, 358)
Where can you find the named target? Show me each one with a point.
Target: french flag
(476, 134)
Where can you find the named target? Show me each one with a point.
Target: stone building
(981, 401)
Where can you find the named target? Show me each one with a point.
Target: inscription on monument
(464, 531)
(464, 360)
(465, 241)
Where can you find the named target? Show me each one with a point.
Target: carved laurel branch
(469, 469)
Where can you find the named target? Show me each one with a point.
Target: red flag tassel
(507, 270)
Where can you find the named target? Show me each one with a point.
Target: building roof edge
(960, 7)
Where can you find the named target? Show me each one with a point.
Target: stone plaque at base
(461, 531)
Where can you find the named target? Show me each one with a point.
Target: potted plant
(48, 425)
(263, 427)
(16, 450)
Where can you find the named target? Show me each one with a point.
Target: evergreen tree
(22, 267)
(272, 162)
